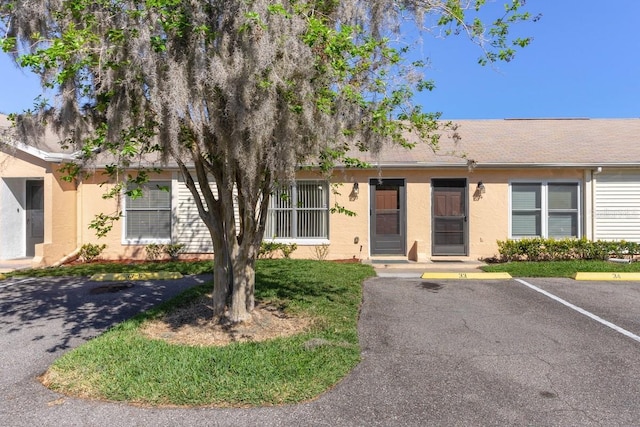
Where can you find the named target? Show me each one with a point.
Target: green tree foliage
(236, 92)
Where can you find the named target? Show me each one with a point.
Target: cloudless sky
(584, 62)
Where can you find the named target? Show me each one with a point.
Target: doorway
(388, 217)
(449, 228)
(34, 211)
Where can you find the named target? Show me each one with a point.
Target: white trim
(326, 210)
(134, 242)
(544, 197)
(147, 241)
(589, 207)
(300, 242)
(175, 203)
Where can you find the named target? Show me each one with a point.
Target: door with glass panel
(388, 217)
(449, 217)
(34, 215)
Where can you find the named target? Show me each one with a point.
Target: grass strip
(89, 269)
(560, 268)
(123, 365)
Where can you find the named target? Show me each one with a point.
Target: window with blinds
(545, 209)
(149, 217)
(299, 211)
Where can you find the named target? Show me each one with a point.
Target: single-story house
(503, 179)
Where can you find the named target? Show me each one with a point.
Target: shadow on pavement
(76, 307)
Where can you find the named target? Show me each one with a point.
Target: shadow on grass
(305, 279)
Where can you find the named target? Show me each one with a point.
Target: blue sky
(584, 62)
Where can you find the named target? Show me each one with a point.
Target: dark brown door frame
(449, 217)
(388, 216)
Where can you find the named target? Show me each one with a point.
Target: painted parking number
(462, 275)
(616, 276)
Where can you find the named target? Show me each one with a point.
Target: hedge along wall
(539, 249)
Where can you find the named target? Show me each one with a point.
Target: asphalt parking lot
(434, 352)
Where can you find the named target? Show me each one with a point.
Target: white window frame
(544, 202)
(146, 241)
(303, 241)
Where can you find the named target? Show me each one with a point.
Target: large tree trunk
(242, 299)
(233, 281)
(222, 276)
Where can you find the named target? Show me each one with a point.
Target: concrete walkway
(7, 265)
(402, 268)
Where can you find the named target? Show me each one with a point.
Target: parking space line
(581, 311)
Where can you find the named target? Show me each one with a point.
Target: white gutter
(47, 156)
(591, 208)
(419, 165)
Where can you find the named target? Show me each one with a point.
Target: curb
(469, 275)
(606, 276)
(159, 275)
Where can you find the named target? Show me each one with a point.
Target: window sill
(139, 242)
(300, 242)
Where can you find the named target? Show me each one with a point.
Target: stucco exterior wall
(60, 230)
(92, 203)
(349, 236)
(16, 167)
(488, 213)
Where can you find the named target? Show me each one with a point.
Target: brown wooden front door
(388, 217)
(449, 217)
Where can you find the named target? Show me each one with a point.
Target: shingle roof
(527, 142)
(498, 143)
(48, 147)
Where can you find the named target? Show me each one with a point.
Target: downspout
(67, 258)
(592, 198)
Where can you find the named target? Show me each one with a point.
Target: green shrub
(173, 250)
(90, 251)
(153, 251)
(540, 249)
(269, 249)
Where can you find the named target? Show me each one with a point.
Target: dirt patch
(193, 325)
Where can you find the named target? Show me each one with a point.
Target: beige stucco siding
(92, 203)
(488, 213)
(349, 236)
(60, 233)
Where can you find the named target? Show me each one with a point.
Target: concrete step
(388, 263)
(7, 265)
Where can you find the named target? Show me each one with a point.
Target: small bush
(153, 251)
(539, 249)
(269, 249)
(321, 251)
(173, 250)
(89, 251)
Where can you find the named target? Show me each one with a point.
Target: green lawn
(87, 269)
(560, 268)
(123, 365)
